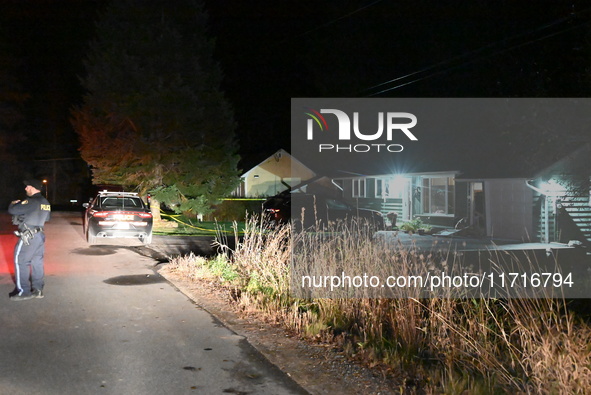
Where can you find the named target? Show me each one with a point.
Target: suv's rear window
(121, 202)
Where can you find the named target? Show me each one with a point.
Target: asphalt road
(110, 325)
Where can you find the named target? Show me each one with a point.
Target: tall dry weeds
(443, 344)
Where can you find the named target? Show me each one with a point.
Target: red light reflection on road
(7, 243)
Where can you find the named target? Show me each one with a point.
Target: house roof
(533, 161)
(577, 162)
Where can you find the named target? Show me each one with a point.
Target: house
(500, 208)
(273, 175)
(444, 200)
(550, 206)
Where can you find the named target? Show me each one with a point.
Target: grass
(430, 345)
(192, 227)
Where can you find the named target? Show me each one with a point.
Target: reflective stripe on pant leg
(24, 258)
(37, 270)
(17, 274)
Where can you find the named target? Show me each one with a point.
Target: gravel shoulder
(318, 368)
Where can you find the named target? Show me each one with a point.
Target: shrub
(234, 210)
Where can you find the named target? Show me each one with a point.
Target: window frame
(427, 201)
(358, 188)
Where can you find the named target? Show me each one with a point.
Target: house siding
(509, 207)
(272, 176)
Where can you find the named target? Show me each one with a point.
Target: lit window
(438, 195)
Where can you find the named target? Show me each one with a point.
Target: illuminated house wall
(275, 174)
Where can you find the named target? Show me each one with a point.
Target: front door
(477, 209)
(399, 188)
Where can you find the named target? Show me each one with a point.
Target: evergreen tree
(154, 117)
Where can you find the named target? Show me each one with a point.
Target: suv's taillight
(145, 215)
(100, 214)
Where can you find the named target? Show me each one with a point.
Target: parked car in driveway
(308, 210)
(117, 215)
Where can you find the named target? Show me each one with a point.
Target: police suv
(117, 215)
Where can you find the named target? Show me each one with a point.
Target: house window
(359, 188)
(438, 195)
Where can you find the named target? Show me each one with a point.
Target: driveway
(109, 324)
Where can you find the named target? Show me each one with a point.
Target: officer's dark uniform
(32, 214)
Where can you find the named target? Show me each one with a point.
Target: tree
(154, 117)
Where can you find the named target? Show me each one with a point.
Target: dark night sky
(271, 51)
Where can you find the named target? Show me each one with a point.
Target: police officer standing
(30, 215)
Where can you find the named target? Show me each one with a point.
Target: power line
(331, 22)
(326, 24)
(478, 51)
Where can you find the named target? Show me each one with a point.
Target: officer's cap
(37, 184)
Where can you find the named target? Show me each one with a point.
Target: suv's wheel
(90, 236)
(147, 239)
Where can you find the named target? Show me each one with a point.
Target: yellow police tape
(246, 199)
(173, 217)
